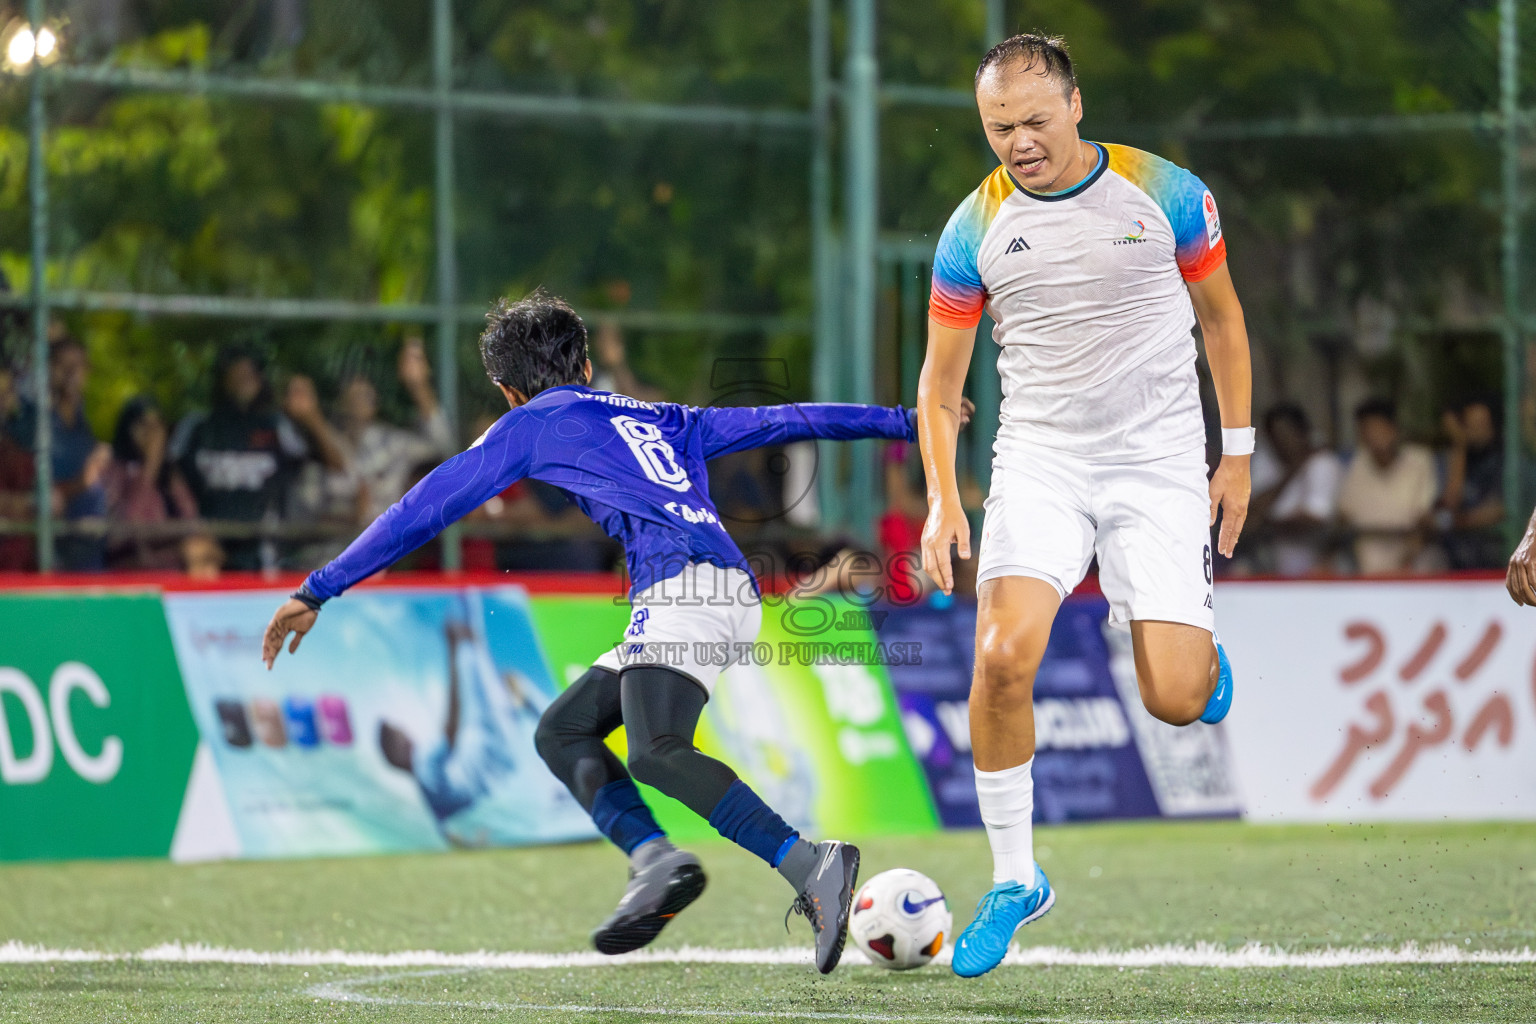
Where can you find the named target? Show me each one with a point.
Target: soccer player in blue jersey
(638, 470)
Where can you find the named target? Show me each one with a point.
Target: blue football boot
(1221, 698)
(1001, 912)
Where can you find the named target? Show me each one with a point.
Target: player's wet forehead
(1017, 92)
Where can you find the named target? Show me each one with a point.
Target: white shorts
(699, 623)
(1149, 522)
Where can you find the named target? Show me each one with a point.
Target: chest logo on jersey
(1017, 245)
(1132, 232)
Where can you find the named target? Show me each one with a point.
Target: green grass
(1119, 886)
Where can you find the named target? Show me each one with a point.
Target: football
(900, 919)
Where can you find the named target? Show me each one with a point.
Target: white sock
(1007, 800)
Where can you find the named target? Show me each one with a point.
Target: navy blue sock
(743, 818)
(622, 816)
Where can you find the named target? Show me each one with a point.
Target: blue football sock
(621, 815)
(743, 818)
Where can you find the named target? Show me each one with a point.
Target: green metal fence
(444, 101)
(855, 265)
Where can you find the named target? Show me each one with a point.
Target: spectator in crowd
(610, 366)
(10, 403)
(900, 526)
(239, 457)
(1296, 511)
(18, 497)
(145, 491)
(379, 459)
(1388, 491)
(202, 558)
(78, 459)
(1471, 509)
(381, 456)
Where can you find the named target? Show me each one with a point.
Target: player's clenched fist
(946, 525)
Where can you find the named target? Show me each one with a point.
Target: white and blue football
(900, 919)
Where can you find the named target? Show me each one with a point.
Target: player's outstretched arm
(1521, 577)
(444, 496)
(941, 412)
(1226, 347)
(727, 429)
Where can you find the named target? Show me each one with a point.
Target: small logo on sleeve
(1017, 245)
(1212, 219)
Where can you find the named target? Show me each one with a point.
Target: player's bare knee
(1005, 667)
(1176, 712)
(1177, 698)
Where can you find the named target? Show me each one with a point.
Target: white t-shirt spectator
(1395, 498)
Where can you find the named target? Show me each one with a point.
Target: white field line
(346, 992)
(1202, 954)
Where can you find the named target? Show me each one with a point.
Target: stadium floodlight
(22, 45)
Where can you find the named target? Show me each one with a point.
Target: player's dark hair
(1288, 412)
(1032, 52)
(534, 344)
(1384, 408)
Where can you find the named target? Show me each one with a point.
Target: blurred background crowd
(278, 472)
(269, 475)
(1387, 504)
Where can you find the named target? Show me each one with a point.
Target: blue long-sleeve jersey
(636, 468)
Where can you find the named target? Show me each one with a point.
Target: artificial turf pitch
(1120, 887)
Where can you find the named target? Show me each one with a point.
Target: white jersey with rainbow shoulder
(1088, 291)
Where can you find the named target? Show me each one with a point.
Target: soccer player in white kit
(1094, 261)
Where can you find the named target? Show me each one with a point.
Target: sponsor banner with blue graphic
(1098, 753)
(406, 723)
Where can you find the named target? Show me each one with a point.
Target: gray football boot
(826, 899)
(662, 881)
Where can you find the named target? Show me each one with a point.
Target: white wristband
(1237, 440)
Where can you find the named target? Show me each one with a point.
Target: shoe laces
(807, 908)
(987, 907)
